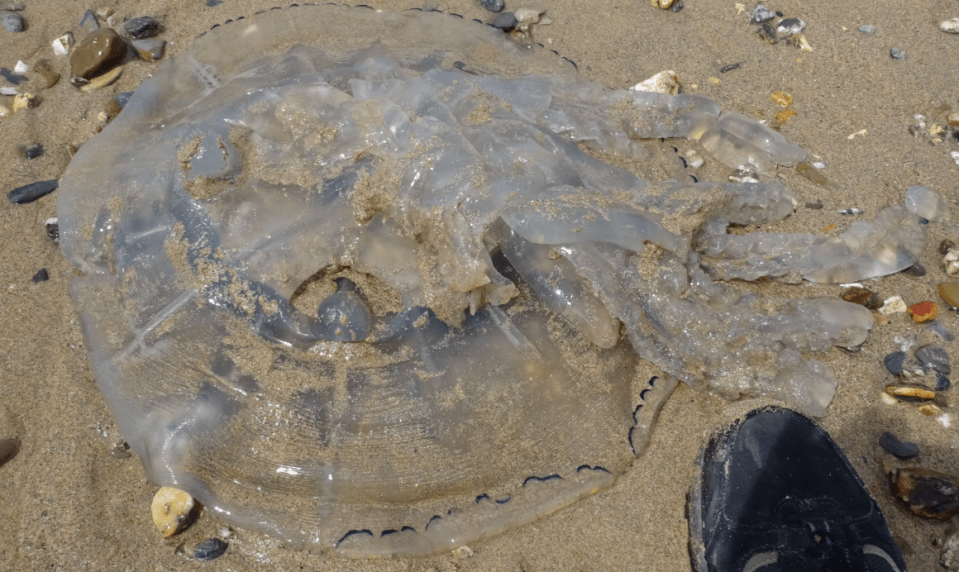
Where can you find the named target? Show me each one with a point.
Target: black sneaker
(778, 495)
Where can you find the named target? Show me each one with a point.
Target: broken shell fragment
(100, 81)
(923, 312)
(950, 26)
(62, 45)
(664, 82)
(926, 493)
(893, 305)
(25, 101)
(172, 510)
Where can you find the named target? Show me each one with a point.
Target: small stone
(52, 226)
(949, 292)
(790, 27)
(815, 206)
(210, 549)
(146, 27)
(781, 98)
(894, 362)
(894, 446)
(950, 26)
(32, 192)
(949, 557)
(945, 246)
(25, 101)
(50, 77)
(923, 312)
(12, 22)
(101, 51)
(857, 295)
(950, 262)
(910, 392)
(953, 118)
(89, 19)
(212, 3)
(761, 14)
(122, 98)
(528, 16)
(930, 410)
(172, 510)
(664, 82)
(897, 54)
(13, 78)
(40, 276)
(893, 305)
(731, 67)
(61, 46)
(121, 451)
(149, 50)
(874, 302)
(462, 552)
(915, 270)
(8, 450)
(505, 21)
(928, 494)
(867, 29)
(492, 5)
(662, 4)
(934, 358)
(13, 6)
(33, 151)
(942, 382)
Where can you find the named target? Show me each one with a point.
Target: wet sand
(67, 504)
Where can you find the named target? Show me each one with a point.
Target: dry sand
(66, 504)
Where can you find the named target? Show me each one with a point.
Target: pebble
(149, 50)
(790, 27)
(33, 151)
(505, 21)
(99, 52)
(930, 410)
(867, 29)
(949, 292)
(89, 18)
(761, 14)
(894, 362)
(910, 392)
(172, 510)
(950, 26)
(894, 446)
(492, 5)
(857, 295)
(662, 4)
(13, 78)
(942, 382)
(50, 77)
(122, 98)
(940, 330)
(945, 246)
(923, 312)
(934, 358)
(146, 27)
(61, 46)
(212, 3)
(41, 276)
(33, 191)
(52, 226)
(915, 270)
(12, 22)
(25, 101)
(8, 450)
(815, 206)
(928, 494)
(731, 67)
(949, 557)
(950, 262)
(897, 54)
(210, 549)
(893, 305)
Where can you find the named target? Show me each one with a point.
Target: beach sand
(67, 504)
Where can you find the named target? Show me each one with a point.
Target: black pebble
(505, 21)
(13, 78)
(814, 206)
(492, 5)
(33, 191)
(942, 382)
(210, 549)
(935, 358)
(32, 151)
(53, 231)
(891, 444)
(123, 98)
(141, 28)
(915, 270)
(41, 276)
(8, 450)
(875, 301)
(894, 362)
(677, 6)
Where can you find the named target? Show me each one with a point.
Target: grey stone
(894, 446)
(934, 357)
(867, 29)
(761, 14)
(492, 5)
(897, 54)
(12, 22)
(210, 549)
(141, 28)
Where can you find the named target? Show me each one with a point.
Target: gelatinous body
(368, 292)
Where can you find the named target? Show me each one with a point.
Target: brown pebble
(945, 246)
(910, 392)
(929, 410)
(857, 295)
(927, 493)
(8, 450)
(50, 77)
(924, 311)
(950, 293)
(875, 302)
(101, 51)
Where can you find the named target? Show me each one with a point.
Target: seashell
(482, 368)
(173, 510)
(910, 392)
(923, 312)
(926, 493)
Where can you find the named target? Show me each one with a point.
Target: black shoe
(778, 495)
